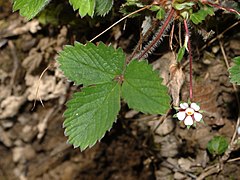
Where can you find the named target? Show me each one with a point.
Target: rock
(165, 128)
(185, 164)
(5, 138)
(168, 145)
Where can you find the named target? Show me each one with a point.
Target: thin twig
(39, 81)
(190, 59)
(232, 160)
(120, 20)
(220, 35)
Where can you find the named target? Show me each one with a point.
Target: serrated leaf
(91, 113)
(201, 15)
(103, 6)
(90, 64)
(84, 6)
(29, 8)
(142, 89)
(235, 71)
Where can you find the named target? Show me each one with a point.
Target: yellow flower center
(189, 111)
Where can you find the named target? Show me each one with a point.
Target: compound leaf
(142, 89)
(103, 6)
(29, 8)
(84, 6)
(235, 71)
(91, 113)
(89, 64)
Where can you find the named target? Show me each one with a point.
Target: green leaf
(29, 8)
(155, 8)
(84, 6)
(181, 6)
(235, 71)
(91, 113)
(160, 14)
(181, 53)
(142, 89)
(103, 6)
(218, 145)
(201, 15)
(89, 64)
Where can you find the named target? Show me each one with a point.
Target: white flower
(189, 114)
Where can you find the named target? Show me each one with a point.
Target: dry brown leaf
(172, 75)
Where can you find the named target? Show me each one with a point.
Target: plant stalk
(158, 36)
(190, 59)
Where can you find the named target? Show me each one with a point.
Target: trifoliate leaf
(142, 89)
(103, 6)
(217, 145)
(91, 113)
(201, 15)
(89, 64)
(84, 6)
(235, 71)
(29, 8)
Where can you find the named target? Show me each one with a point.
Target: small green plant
(235, 71)
(107, 76)
(217, 145)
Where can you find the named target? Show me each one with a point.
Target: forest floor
(139, 146)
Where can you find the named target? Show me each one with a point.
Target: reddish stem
(159, 34)
(190, 59)
(220, 7)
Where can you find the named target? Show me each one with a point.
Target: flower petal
(184, 105)
(181, 115)
(197, 116)
(188, 121)
(195, 106)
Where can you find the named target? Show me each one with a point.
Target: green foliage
(103, 6)
(201, 15)
(160, 12)
(29, 8)
(83, 6)
(217, 146)
(235, 71)
(181, 53)
(142, 89)
(51, 14)
(88, 64)
(92, 111)
(182, 5)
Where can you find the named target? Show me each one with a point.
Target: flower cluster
(189, 113)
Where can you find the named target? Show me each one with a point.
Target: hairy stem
(159, 35)
(220, 7)
(190, 59)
